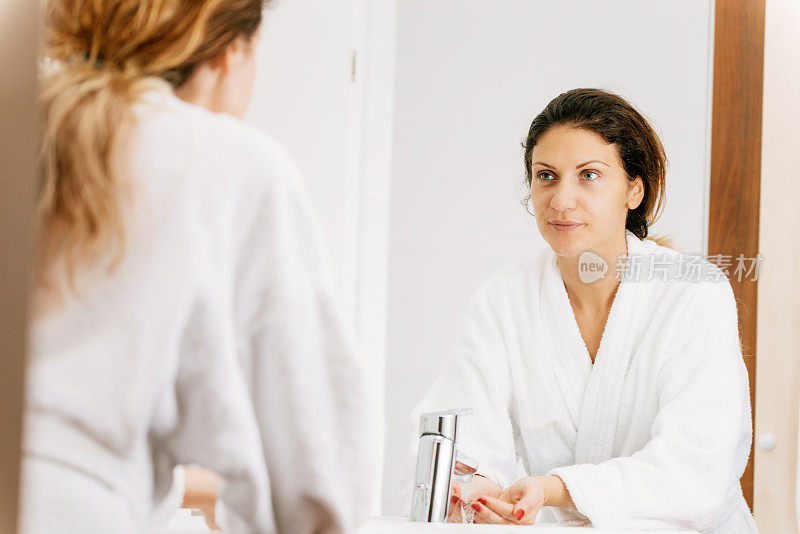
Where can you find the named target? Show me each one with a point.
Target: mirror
(469, 78)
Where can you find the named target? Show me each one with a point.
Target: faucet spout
(438, 460)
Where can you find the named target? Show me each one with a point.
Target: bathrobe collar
(591, 392)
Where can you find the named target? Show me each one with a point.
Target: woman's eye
(590, 177)
(544, 174)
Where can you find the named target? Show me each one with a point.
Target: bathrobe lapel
(569, 359)
(591, 392)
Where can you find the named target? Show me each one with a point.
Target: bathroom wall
(306, 98)
(324, 89)
(470, 76)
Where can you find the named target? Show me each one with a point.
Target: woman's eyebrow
(592, 161)
(577, 166)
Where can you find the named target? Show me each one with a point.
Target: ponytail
(99, 58)
(79, 209)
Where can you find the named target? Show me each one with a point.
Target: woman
(607, 383)
(183, 311)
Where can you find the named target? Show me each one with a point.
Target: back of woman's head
(103, 54)
(615, 120)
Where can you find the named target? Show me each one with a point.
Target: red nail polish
(482, 500)
(476, 507)
(519, 514)
(453, 498)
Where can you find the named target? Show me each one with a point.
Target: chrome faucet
(438, 459)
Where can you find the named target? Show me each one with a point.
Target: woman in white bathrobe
(183, 311)
(619, 400)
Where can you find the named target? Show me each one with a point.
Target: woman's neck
(596, 295)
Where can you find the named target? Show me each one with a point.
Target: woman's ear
(635, 193)
(233, 55)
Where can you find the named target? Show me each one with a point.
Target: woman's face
(580, 192)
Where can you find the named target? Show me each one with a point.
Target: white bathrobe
(216, 341)
(655, 434)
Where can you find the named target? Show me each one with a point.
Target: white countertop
(184, 523)
(401, 525)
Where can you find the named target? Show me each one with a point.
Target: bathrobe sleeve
(475, 375)
(165, 509)
(688, 474)
(313, 403)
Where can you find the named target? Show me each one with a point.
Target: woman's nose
(564, 198)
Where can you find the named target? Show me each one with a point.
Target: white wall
(303, 97)
(325, 90)
(374, 201)
(470, 76)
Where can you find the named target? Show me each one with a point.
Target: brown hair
(104, 56)
(615, 120)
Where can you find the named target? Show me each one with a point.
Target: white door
(775, 483)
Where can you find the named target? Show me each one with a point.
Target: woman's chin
(566, 245)
(567, 252)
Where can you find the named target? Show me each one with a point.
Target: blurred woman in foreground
(183, 310)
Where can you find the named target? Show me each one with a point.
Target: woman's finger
(484, 514)
(513, 493)
(527, 507)
(501, 508)
(526, 497)
(526, 510)
(455, 510)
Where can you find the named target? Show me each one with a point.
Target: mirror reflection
(364, 266)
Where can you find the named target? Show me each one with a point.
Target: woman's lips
(565, 227)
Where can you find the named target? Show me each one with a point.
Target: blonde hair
(104, 54)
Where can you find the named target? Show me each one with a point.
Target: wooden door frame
(735, 179)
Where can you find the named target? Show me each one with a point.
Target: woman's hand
(201, 492)
(518, 504)
(479, 487)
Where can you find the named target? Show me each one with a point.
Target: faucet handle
(444, 423)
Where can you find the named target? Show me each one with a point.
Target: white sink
(185, 523)
(401, 525)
